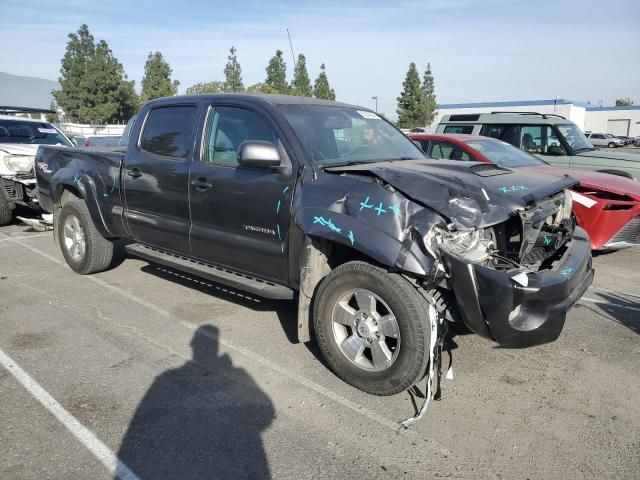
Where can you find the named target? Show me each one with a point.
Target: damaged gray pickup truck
(331, 205)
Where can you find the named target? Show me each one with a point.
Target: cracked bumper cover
(492, 305)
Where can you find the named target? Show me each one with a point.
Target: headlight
(459, 242)
(469, 244)
(19, 163)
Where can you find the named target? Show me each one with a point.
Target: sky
(479, 50)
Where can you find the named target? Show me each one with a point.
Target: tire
(612, 145)
(406, 354)
(6, 212)
(74, 225)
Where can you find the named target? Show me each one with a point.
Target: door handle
(201, 184)
(134, 173)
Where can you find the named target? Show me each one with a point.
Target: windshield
(503, 154)
(35, 133)
(574, 137)
(340, 135)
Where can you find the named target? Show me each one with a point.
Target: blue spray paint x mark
(286, 189)
(567, 272)
(394, 209)
(77, 178)
(327, 223)
(278, 207)
(547, 240)
(514, 188)
(113, 186)
(365, 204)
(352, 238)
(379, 209)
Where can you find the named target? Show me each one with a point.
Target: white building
(615, 120)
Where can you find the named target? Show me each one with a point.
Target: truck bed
(93, 174)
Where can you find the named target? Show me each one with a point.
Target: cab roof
(261, 97)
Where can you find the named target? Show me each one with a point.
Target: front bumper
(494, 306)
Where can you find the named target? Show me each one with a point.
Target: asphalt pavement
(147, 373)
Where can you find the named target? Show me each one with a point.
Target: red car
(606, 206)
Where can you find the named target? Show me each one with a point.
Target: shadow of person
(202, 420)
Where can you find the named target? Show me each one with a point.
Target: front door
(239, 215)
(156, 176)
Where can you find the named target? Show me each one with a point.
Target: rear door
(155, 177)
(240, 216)
(441, 149)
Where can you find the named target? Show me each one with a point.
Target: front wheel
(612, 145)
(373, 328)
(84, 249)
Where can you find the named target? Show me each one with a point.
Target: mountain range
(20, 91)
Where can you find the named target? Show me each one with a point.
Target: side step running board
(262, 288)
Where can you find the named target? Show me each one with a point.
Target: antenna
(291, 46)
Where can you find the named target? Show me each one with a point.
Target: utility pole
(376, 99)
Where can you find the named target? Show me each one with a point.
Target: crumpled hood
(18, 149)
(612, 155)
(597, 180)
(469, 194)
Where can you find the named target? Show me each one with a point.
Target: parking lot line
(330, 394)
(85, 436)
(604, 302)
(12, 239)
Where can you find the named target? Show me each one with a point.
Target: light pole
(376, 99)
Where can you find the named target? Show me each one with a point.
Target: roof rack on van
(6, 109)
(543, 115)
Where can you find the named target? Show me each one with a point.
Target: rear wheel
(373, 328)
(84, 249)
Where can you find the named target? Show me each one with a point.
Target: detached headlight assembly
(469, 243)
(19, 163)
(460, 242)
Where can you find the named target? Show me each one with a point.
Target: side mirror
(74, 141)
(258, 154)
(556, 150)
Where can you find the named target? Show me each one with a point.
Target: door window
(448, 151)
(506, 133)
(540, 139)
(466, 129)
(168, 131)
(227, 128)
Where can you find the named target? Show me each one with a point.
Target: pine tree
(429, 98)
(301, 84)
(321, 88)
(411, 100)
(208, 87)
(157, 82)
(94, 87)
(52, 117)
(260, 88)
(277, 74)
(233, 73)
(74, 66)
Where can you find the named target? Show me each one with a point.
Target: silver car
(604, 140)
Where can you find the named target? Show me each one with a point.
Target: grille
(14, 190)
(629, 233)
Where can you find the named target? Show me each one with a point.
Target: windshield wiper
(585, 149)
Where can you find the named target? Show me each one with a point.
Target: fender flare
(85, 188)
